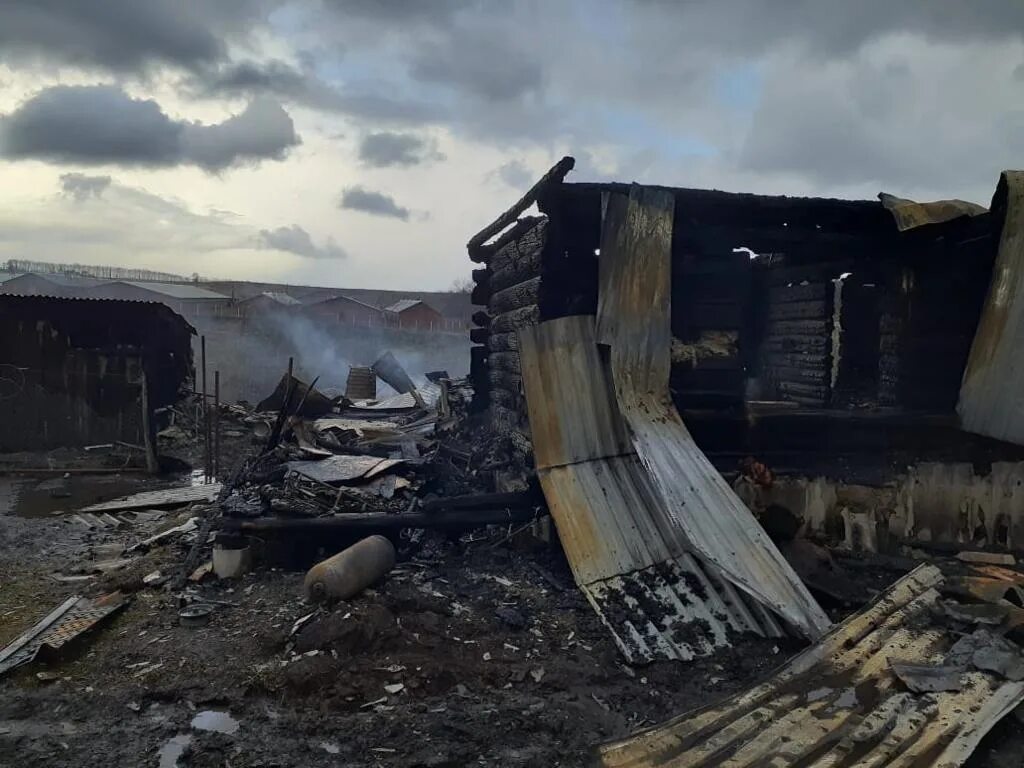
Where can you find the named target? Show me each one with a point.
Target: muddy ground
(476, 651)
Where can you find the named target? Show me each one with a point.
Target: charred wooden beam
(520, 260)
(485, 253)
(515, 297)
(481, 294)
(481, 319)
(799, 328)
(804, 292)
(505, 361)
(799, 310)
(553, 176)
(516, 319)
(506, 380)
(503, 342)
(505, 399)
(479, 335)
(456, 519)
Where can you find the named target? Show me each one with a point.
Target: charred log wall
(509, 287)
(934, 309)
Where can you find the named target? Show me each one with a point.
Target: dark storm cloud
(399, 11)
(124, 35)
(81, 186)
(303, 87)
(384, 149)
(375, 203)
(491, 69)
(295, 239)
(832, 28)
(103, 125)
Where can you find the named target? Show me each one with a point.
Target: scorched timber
(517, 296)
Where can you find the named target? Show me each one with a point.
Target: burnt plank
(516, 319)
(516, 297)
(799, 310)
(505, 361)
(803, 292)
(503, 342)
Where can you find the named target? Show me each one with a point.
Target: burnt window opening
(856, 340)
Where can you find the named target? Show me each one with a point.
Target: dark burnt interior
(847, 338)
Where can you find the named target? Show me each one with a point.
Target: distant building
(186, 299)
(268, 302)
(414, 313)
(344, 309)
(32, 284)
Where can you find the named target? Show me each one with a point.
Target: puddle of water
(43, 497)
(219, 722)
(171, 751)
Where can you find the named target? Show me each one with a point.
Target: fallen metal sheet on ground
(839, 703)
(172, 497)
(634, 319)
(74, 616)
(342, 469)
(633, 565)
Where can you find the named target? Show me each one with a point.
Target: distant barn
(414, 313)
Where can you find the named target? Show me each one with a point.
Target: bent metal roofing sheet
(633, 318)
(649, 588)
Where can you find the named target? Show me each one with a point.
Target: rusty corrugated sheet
(634, 566)
(839, 703)
(992, 391)
(909, 214)
(633, 318)
(71, 618)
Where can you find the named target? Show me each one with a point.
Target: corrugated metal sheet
(70, 619)
(909, 214)
(171, 497)
(634, 319)
(992, 392)
(341, 469)
(840, 704)
(632, 563)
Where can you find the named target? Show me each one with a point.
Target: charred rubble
(704, 434)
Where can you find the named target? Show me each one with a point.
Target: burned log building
(827, 338)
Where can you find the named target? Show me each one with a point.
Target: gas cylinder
(352, 570)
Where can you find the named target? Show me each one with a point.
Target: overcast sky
(361, 143)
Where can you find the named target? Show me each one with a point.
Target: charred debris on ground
(709, 470)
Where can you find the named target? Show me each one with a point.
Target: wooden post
(149, 436)
(206, 419)
(216, 422)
